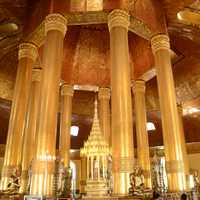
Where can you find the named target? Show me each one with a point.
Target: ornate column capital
(36, 74)
(118, 18)
(104, 93)
(138, 86)
(160, 42)
(56, 22)
(27, 50)
(67, 90)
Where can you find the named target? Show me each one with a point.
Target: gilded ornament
(67, 90)
(104, 93)
(118, 18)
(57, 22)
(97, 151)
(28, 50)
(160, 42)
(139, 86)
(98, 17)
(140, 28)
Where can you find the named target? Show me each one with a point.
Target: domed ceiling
(86, 55)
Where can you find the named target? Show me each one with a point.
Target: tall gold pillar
(122, 123)
(29, 145)
(184, 150)
(141, 131)
(172, 136)
(44, 163)
(65, 122)
(104, 112)
(12, 160)
(84, 169)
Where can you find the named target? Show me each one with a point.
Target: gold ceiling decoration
(137, 26)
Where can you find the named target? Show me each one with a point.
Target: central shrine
(97, 152)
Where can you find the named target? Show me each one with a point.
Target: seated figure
(136, 181)
(14, 183)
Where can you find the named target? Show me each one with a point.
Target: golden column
(29, 145)
(12, 160)
(83, 174)
(184, 150)
(172, 136)
(44, 163)
(122, 123)
(67, 92)
(141, 131)
(104, 113)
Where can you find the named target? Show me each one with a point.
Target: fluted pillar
(104, 112)
(65, 122)
(44, 164)
(184, 150)
(29, 145)
(122, 123)
(141, 131)
(169, 113)
(12, 160)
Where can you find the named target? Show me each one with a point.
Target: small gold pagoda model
(97, 151)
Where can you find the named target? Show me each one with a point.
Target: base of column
(21, 197)
(13, 197)
(24, 182)
(63, 199)
(177, 195)
(4, 183)
(42, 180)
(113, 198)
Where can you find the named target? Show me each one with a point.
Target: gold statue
(14, 183)
(136, 181)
